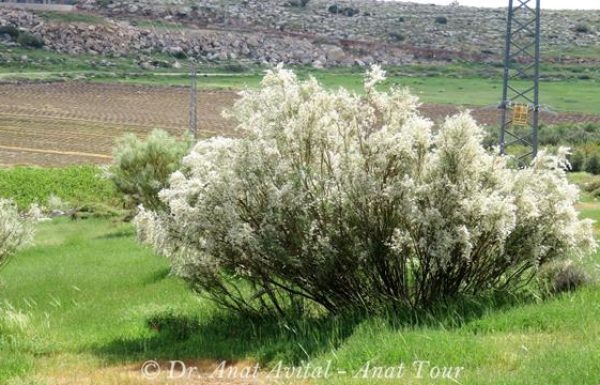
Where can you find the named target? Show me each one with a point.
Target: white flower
(374, 76)
(15, 230)
(324, 179)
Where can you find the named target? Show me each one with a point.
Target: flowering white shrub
(356, 201)
(14, 230)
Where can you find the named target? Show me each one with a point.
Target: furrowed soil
(57, 124)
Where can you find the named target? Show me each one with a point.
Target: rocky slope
(322, 32)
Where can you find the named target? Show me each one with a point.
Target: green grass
(84, 285)
(554, 342)
(573, 95)
(564, 87)
(574, 51)
(75, 184)
(89, 290)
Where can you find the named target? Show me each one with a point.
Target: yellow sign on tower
(520, 115)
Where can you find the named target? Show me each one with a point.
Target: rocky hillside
(317, 32)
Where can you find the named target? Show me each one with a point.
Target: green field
(570, 88)
(88, 291)
(76, 185)
(569, 95)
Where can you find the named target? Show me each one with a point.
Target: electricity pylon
(520, 93)
(193, 101)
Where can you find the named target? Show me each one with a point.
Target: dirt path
(188, 372)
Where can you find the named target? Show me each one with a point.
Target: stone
(253, 30)
(318, 64)
(334, 53)
(146, 65)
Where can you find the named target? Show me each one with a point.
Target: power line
(193, 101)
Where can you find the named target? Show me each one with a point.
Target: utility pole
(520, 92)
(193, 101)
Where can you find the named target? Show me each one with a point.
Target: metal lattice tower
(193, 101)
(520, 95)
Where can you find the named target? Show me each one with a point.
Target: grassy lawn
(88, 290)
(569, 95)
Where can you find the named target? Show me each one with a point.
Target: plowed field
(65, 123)
(55, 124)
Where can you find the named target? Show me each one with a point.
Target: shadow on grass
(121, 233)
(233, 337)
(157, 276)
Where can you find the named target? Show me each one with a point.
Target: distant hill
(314, 32)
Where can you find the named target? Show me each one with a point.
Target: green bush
(592, 165)
(30, 40)
(13, 32)
(141, 168)
(569, 134)
(75, 184)
(593, 185)
(577, 160)
(441, 20)
(582, 28)
(562, 277)
(344, 11)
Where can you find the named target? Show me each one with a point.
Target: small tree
(141, 168)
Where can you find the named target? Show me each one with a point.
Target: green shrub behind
(30, 40)
(592, 165)
(9, 30)
(142, 168)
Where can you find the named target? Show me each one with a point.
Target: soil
(57, 124)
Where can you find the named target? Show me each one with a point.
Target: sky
(548, 4)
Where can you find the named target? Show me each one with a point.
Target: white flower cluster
(15, 231)
(348, 200)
